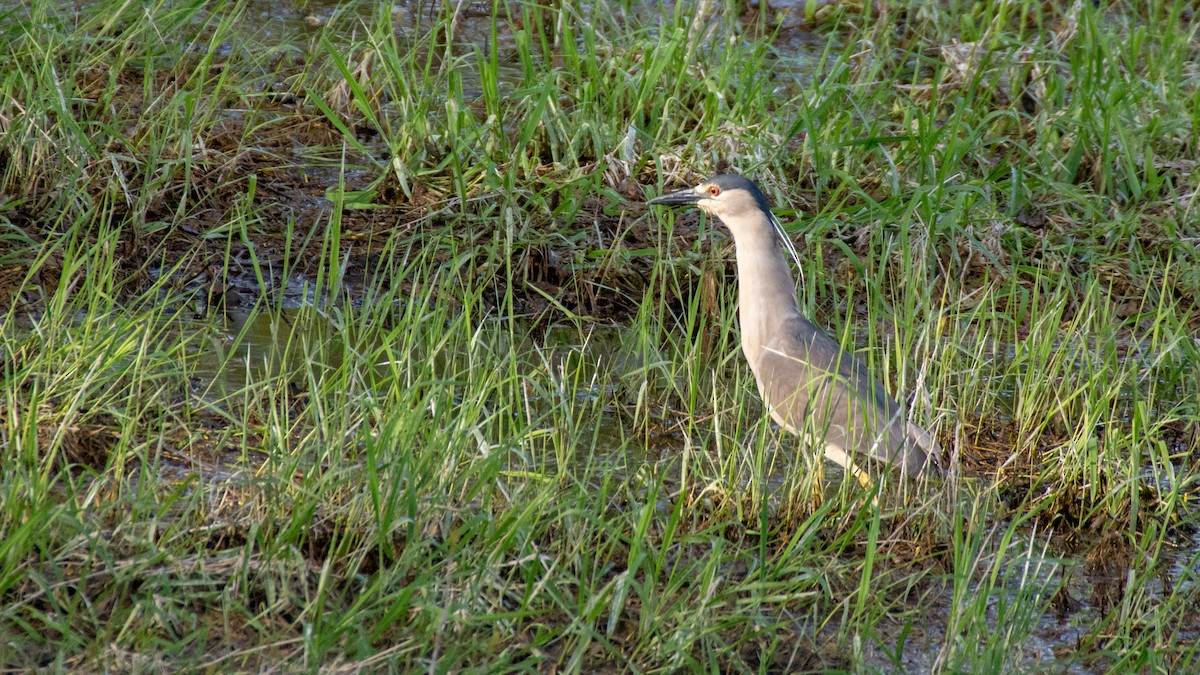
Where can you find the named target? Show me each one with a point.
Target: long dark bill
(685, 196)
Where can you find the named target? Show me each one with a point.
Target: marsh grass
(302, 368)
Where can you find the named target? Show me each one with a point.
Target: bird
(812, 387)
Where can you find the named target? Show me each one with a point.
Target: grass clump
(341, 341)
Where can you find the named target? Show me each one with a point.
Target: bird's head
(725, 196)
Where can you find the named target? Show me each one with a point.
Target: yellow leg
(838, 455)
(818, 493)
(863, 479)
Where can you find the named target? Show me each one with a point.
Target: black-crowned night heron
(812, 386)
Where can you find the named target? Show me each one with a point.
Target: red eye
(713, 190)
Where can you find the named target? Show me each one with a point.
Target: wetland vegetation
(337, 337)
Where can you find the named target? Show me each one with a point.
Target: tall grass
(304, 363)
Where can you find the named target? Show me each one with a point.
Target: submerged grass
(304, 364)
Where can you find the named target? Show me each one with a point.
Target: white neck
(766, 290)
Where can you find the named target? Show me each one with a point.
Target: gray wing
(814, 387)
